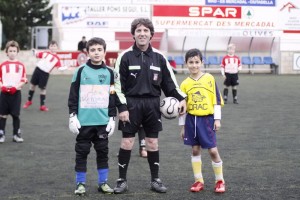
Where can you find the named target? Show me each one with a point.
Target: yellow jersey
(202, 95)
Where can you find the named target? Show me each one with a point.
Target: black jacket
(144, 74)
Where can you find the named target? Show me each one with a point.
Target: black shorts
(145, 112)
(231, 79)
(10, 104)
(88, 136)
(40, 78)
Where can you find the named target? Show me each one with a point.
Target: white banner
(289, 15)
(99, 2)
(170, 2)
(102, 16)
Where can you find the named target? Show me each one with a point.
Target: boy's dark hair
(52, 42)
(96, 40)
(192, 53)
(12, 43)
(142, 21)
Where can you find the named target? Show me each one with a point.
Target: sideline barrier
(255, 64)
(272, 70)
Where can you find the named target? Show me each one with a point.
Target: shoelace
(120, 184)
(157, 183)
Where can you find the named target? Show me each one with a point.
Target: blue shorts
(199, 131)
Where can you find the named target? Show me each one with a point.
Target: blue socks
(102, 175)
(80, 177)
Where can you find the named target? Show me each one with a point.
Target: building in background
(180, 25)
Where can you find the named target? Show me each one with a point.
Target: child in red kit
(12, 78)
(48, 61)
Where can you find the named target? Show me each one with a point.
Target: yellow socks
(197, 168)
(218, 170)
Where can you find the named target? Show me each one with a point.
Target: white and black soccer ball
(169, 107)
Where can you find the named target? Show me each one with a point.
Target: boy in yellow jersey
(202, 120)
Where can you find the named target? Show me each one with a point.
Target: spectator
(82, 45)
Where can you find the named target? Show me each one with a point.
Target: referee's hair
(142, 21)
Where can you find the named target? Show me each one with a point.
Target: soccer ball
(169, 107)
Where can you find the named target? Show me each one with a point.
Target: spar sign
(214, 17)
(218, 12)
(197, 11)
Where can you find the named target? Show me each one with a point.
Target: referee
(142, 72)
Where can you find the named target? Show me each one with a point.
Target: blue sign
(241, 2)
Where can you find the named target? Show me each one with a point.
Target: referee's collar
(138, 52)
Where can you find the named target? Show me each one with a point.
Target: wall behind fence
(285, 65)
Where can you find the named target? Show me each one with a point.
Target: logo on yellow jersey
(197, 97)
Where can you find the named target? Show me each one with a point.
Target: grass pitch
(259, 143)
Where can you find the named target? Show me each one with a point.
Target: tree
(19, 16)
